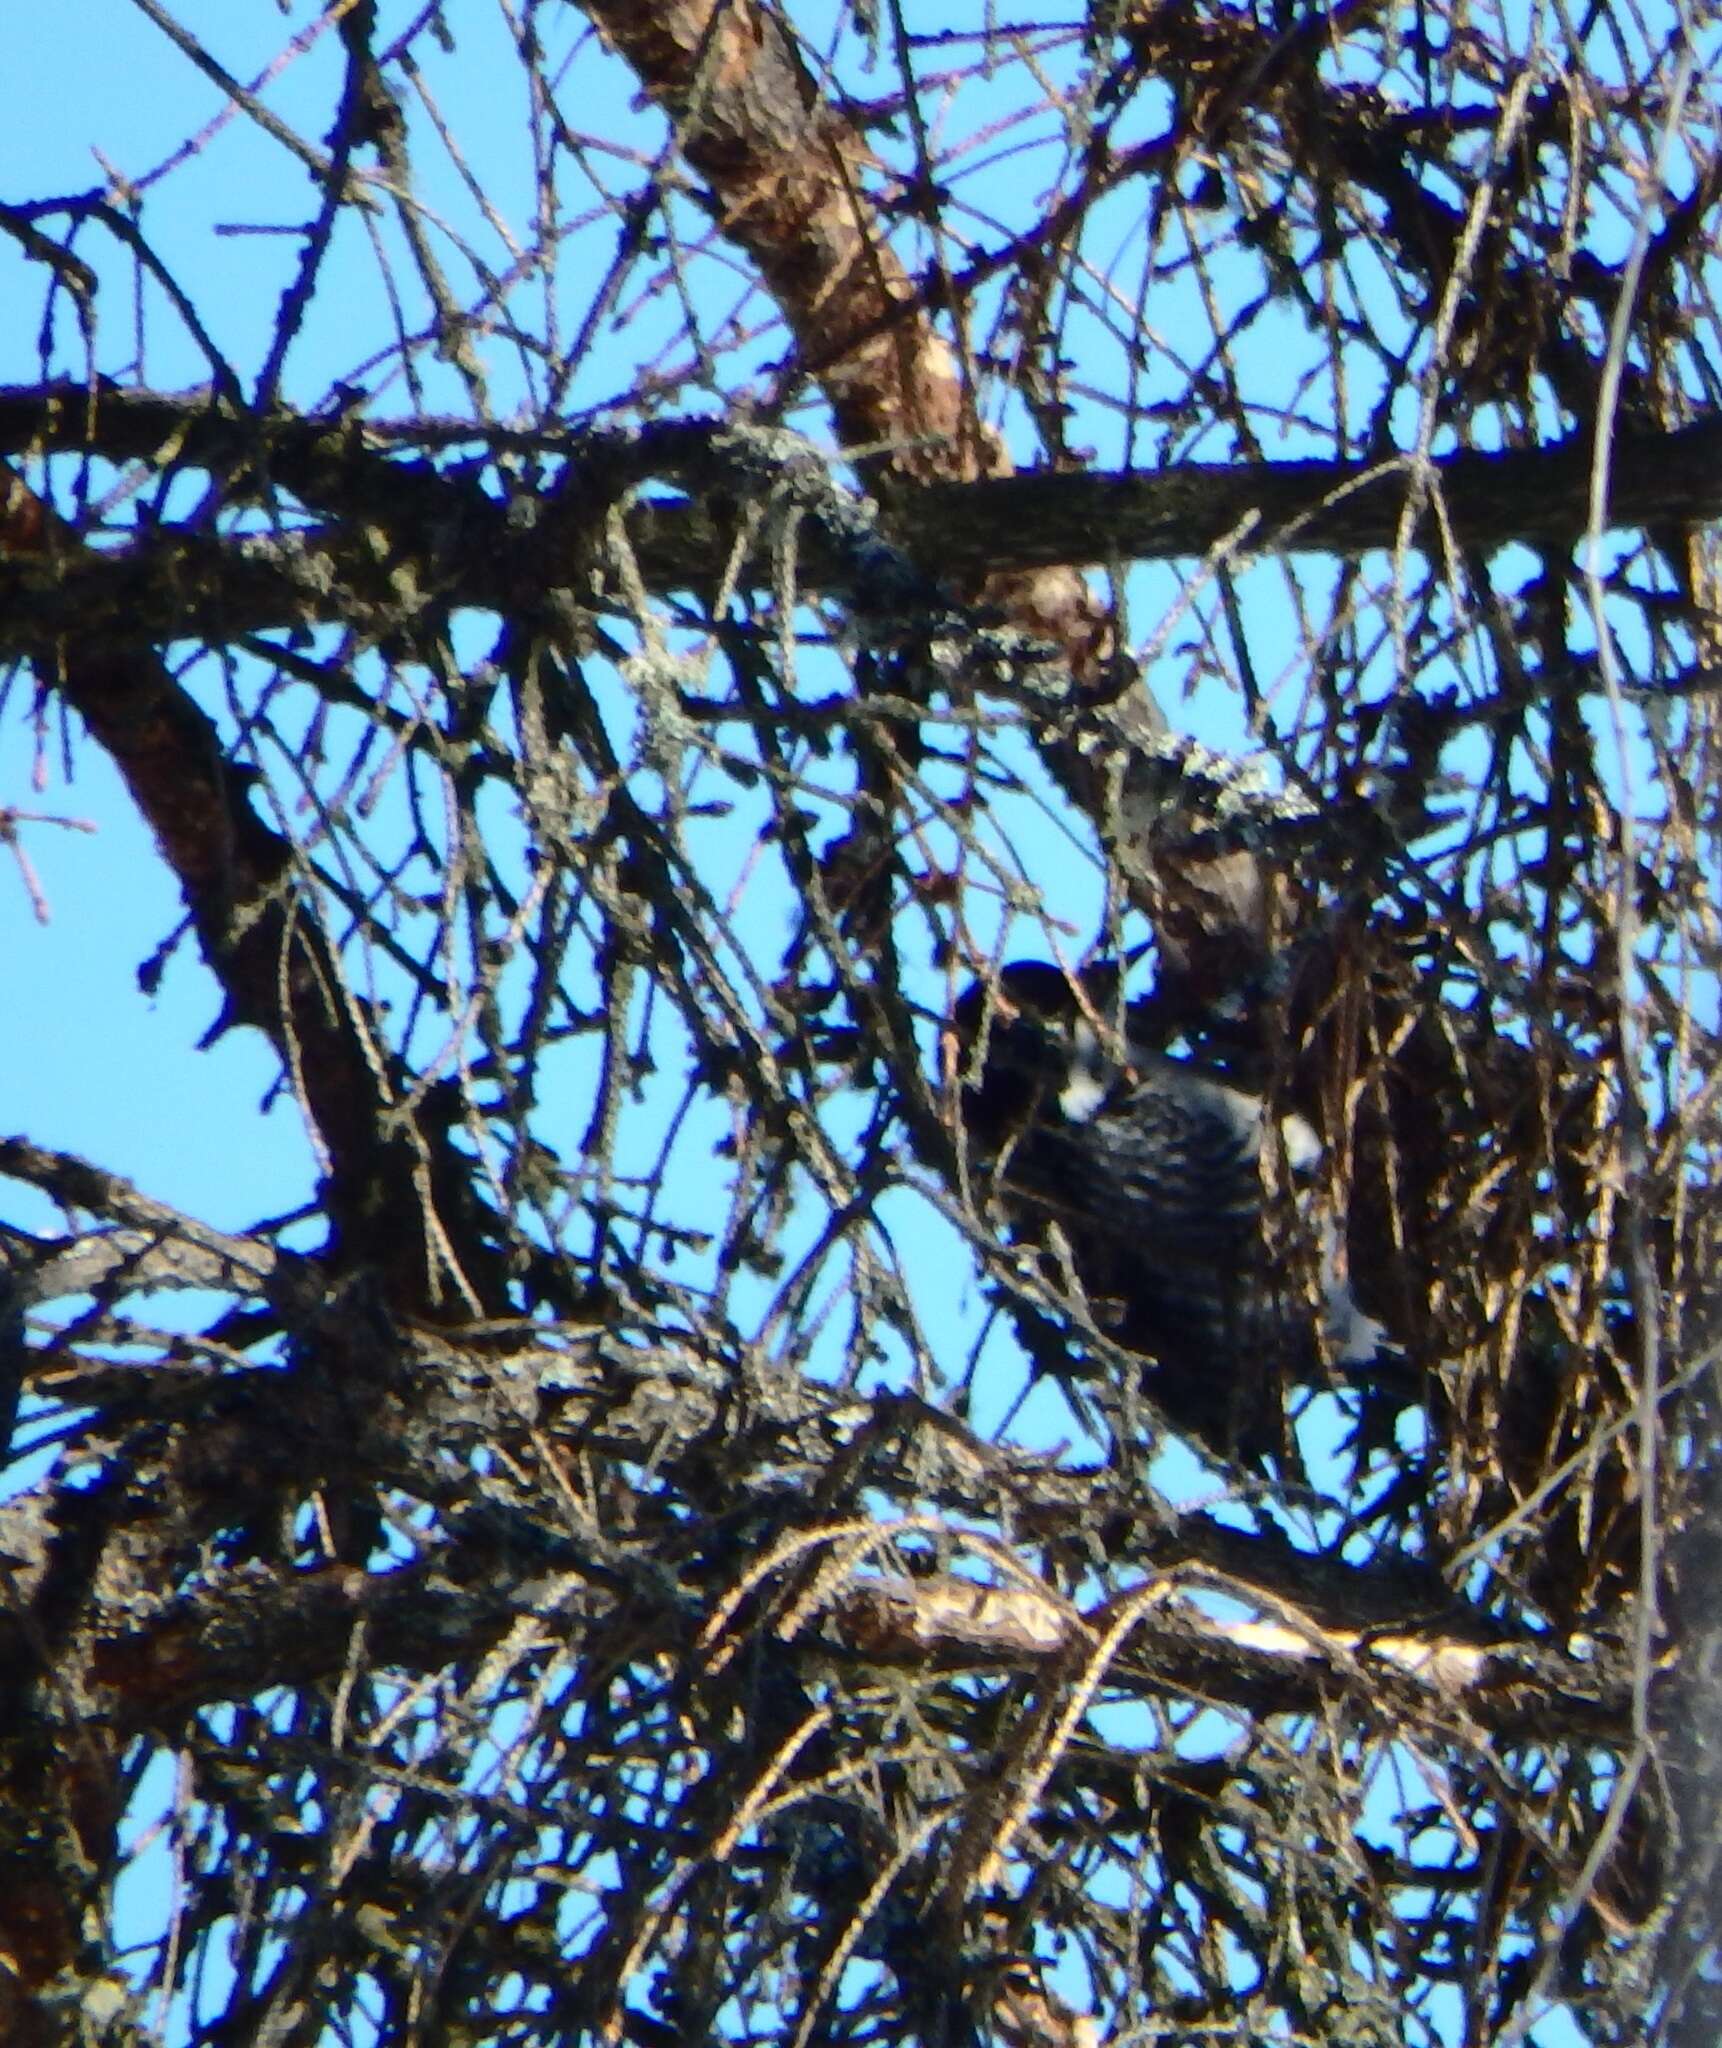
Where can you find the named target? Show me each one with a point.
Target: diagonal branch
(255, 926)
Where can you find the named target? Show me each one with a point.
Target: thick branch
(463, 550)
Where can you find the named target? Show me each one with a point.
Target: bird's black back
(1155, 1188)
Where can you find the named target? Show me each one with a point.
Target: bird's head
(1035, 1033)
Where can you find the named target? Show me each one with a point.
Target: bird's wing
(1159, 1195)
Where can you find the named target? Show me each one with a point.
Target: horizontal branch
(464, 548)
(151, 1661)
(1282, 1660)
(1537, 496)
